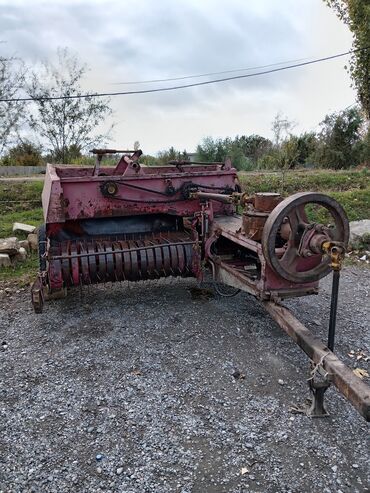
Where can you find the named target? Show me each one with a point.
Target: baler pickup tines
(92, 261)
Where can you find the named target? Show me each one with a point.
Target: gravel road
(131, 389)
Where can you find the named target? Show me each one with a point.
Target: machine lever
(333, 309)
(336, 252)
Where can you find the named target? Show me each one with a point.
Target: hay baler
(130, 222)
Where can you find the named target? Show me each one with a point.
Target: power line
(184, 86)
(208, 74)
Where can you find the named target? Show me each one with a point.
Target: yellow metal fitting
(336, 252)
(245, 199)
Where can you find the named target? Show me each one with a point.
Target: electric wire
(184, 77)
(183, 86)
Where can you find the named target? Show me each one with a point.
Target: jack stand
(318, 382)
(318, 389)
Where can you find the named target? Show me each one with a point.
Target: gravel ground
(131, 389)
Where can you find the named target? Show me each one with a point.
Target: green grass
(24, 272)
(20, 202)
(20, 191)
(350, 188)
(33, 217)
(301, 181)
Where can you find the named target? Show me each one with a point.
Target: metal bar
(203, 163)
(333, 309)
(96, 254)
(219, 197)
(348, 384)
(149, 177)
(110, 151)
(228, 275)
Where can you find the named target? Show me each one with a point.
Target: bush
(83, 161)
(23, 154)
(340, 145)
(148, 160)
(268, 161)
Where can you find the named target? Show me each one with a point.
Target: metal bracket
(318, 383)
(317, 408)
(37, 293)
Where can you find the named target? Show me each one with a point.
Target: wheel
(288, 237)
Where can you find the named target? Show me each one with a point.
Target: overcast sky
(132, 40)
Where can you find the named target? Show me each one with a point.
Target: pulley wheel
(291, 265)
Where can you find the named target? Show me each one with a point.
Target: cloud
(141, 39)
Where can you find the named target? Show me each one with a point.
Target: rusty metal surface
(269, 284)
(266, 201)
(37, 294)
(299, 263)
(253, 223)
(74, 193)
(90, 261)
(227, 274)
(351, 386)
(256, 213)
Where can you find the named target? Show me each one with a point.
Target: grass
(21, 191)
(21, 201)
(33, 217)
(305, 181)
(350, 188)
(24, 272)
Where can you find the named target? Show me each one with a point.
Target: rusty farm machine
(129, 222)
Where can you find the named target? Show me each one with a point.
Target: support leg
(37, 295)
(317, 408)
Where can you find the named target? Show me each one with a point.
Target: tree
(283, 154)
(217, 150)
(340, 140)
(253, 146)
(295, 150)
(12, 78)
(66, 126)
(356, 15)
(148, 160)
(281, 127)
(213, 150)
(171, 154)
(23, 154)
(306, 145)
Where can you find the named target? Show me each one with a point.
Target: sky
(138, 40)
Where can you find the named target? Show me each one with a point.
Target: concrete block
(24, 228)
(359, 232)
(24, 244)
(5, 260)
(21, 255)
(9, 246)
(33, 241)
